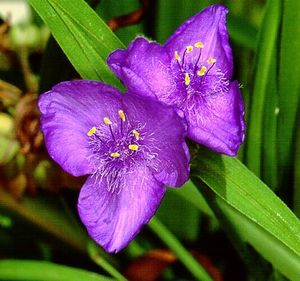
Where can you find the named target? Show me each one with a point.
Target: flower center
(112, 142)
(197, 74)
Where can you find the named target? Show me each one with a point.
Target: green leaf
(83, 36)
(45, 271)
(266, 46)
(258, 268)
(270, 120)
(243, 191)
(267, 245)
(289, 85)
(297, 171)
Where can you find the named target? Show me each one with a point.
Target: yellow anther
(107, 121)
(202, 71)
(122, 115)
(211, 60)
(177, 57)
(187, 79)
(199, 45)
(115, 154)
(133, 147)
(91, 131)
(136, 134)
(189, 49)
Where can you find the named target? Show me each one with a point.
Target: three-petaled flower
(191, 71)
(130, 147)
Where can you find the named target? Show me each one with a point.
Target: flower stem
(102, 262)
(183, 255)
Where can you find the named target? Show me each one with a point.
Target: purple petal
(217, 121)
(164, 140)
(113, 219)
(69, 111)
(143, 67)
(209, 28)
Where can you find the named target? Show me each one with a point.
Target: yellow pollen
(187, 79)
(199, 45)
(202, 71)
(107, 121)
(211, 60)
(189, 49)
(177, 57)
(122, 115)
(115, 154)
(91, 131)
(133, 147)
(136, 134)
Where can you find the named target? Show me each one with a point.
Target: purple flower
(130, 147)
(192, 71)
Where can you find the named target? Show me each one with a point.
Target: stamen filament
(109, 123)
(183, 57)
(198, 59)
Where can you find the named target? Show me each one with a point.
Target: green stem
(99, 260)
(183, 255)
(30, 82)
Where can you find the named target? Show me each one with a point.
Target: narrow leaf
(289, 85)
(83, 36)
(297, 171)
(266, 45)
(263, 212)
(270, 120)
(45, 271)
(242, 190)
(264, 243)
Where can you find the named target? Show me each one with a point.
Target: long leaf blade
(242, 190)
(266, 45)
(83, 36)
(289, 84)
(262, 210)
(45, 271)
